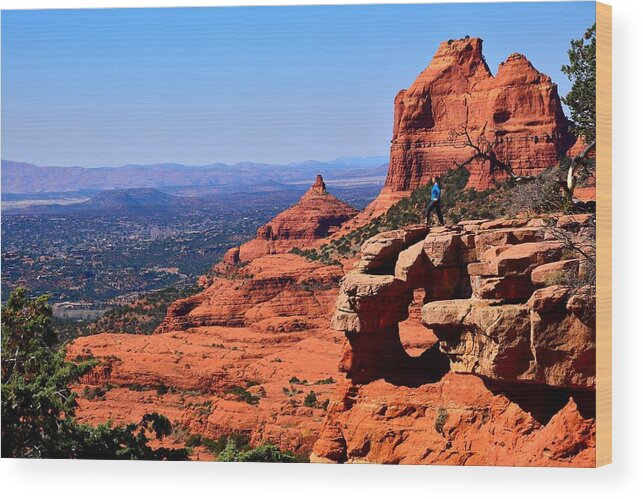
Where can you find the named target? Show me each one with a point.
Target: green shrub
(193, 440)
(537, 195)
(264, 453)
(94, 392)
(204, 409)
(162, 389)
(215, 447)
(311, 400)
(291, 391)
(440, 420)
(244, 395)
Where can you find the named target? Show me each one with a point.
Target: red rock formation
(260, 321)
(252, 330)
(316, 215)
(195, 378)
(518, 110)
(491, 313)
(455, 421)
(256, 328)
(267, 288)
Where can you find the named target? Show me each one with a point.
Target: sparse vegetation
(216, 446)
(326, 381)
(204, 409)
(296, 381)
(579, 244)
(93, 392)
(291, 391)
(311, 399)
(236, 448)
(162, 389)
(441, 420)
(244, 395)
(264, 453)
(193, 441)
(142, 317)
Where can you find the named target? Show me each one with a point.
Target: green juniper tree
(581, 71)
(38, 405)
(581, 100)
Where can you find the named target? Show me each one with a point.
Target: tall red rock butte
(316, 215)
(518, 111)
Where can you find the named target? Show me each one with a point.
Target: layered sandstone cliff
(316, 215)
(512, 358)
(285, 289)
(518, 110)
(517, 113)
(239, 357)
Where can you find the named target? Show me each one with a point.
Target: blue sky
(267, 84)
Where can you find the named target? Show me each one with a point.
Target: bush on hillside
(264, 453)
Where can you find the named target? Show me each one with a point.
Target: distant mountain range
(26, 178)
(147, 201)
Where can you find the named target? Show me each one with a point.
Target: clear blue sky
(267, 84)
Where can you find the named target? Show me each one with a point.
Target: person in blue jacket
(434, 202)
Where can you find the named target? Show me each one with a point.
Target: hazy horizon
(369, 160)
(275, 85)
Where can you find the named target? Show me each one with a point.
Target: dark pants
(436, 205)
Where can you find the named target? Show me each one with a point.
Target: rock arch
(486, 300)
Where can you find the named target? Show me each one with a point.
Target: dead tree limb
(482, 150)
(578, 162)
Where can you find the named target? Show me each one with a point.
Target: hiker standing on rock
(435, 203)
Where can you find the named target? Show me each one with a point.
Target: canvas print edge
(604, 234)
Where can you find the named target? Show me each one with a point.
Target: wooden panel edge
(604, 234)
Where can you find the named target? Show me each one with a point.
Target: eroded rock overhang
(490, 299)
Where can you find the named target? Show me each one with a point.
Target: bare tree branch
(579, 161)
(482, 149)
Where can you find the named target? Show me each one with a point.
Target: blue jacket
(436, 192)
